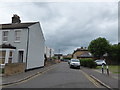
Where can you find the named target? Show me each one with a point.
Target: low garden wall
(14, 68)
(51, 62)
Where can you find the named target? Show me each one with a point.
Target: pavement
(6, 80)
(110, 81)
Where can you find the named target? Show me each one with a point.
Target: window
(2, 57)
(20, 57)
(5, 36)
(10, 57)
(17, 35)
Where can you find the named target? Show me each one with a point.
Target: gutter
(27, 48)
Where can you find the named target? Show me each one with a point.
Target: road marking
(102, 83)
(90, 79)
(32, 77)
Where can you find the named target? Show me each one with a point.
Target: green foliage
(67, 58)
(54, 57)
(88, 63)
(113, 53)
(98, 47)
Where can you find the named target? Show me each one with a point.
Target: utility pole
(58, 53)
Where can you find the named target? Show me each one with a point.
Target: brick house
(81, 53)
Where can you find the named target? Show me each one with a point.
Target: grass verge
(112, 68)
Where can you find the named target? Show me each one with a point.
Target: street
(59, 76)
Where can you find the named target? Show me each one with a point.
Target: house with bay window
(22, 43)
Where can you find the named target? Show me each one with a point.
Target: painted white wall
(52, 52)
(0, 37)
(47, 51)
(36, 47)
(19, 45)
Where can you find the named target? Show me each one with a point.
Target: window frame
(19, 35)
(23, 50)
(2, 57)
(5, 36)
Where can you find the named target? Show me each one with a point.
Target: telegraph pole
(58, 53)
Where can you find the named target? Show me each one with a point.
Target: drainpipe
(27, 49)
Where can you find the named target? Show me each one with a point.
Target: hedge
(88, 63)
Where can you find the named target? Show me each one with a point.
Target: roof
(7, 46)
(86, 54)
(58, 55)
(16, 25)
(79, 50)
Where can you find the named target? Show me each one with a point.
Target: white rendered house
(22, 43)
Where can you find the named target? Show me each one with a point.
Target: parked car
(100, 62)
(64, 60)
(75, 63)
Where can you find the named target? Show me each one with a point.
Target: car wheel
(78, 67)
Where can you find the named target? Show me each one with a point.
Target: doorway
(20, 56)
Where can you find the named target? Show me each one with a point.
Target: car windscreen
(75, 60)
(99, 61)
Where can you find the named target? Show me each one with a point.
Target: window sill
(17, 41)
(4, 41)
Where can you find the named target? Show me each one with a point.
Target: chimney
(16, 19)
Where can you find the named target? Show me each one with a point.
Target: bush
(67, 58)
(88, 63)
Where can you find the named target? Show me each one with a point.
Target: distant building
(49, 52)
(82, 53)
(58, 56)
(68, 56)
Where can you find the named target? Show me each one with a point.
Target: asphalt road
(59, 76)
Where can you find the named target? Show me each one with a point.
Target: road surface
(59, 76)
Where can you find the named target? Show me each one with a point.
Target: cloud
(66, 25)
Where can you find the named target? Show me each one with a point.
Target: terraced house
(22, 43)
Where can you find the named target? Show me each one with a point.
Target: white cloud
(68, 25)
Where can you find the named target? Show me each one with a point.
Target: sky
(67, 25)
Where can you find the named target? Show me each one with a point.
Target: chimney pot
(16, 19)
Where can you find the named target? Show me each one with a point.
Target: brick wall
(14, 68)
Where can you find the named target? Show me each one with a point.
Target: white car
(75, 63)
(100, 62)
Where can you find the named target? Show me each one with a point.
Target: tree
(98, 47)
(113, 53)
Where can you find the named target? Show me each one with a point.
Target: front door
(20, 57)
